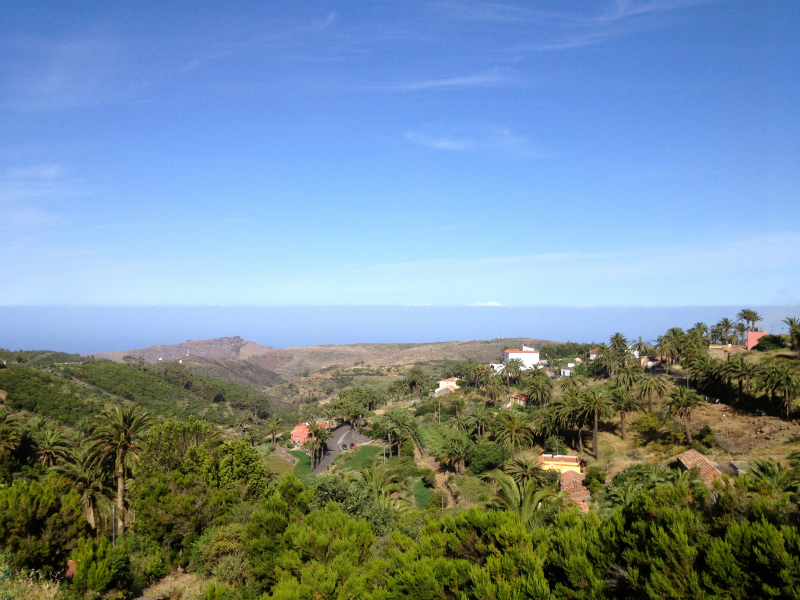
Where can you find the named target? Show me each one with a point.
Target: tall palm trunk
(121, 501)
(622, 424)
(686, 425)
(580, 440)
(595, 437)
(88, 512)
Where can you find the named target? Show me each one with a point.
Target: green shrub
(428, 477)
(595, 478)
(39, 522)
(422, 493)
(100, 566)
(408, 449)
(484, 457)
(772, 342)
(217, 591)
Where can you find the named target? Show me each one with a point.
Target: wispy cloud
(485, 304)
(495, 139)
(26, 190)
(481, 79)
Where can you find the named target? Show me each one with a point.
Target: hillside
(292, 361)
(72, 394)
(224, 348)
(260, 367)
(243, 372)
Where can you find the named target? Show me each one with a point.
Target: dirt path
(440, 475)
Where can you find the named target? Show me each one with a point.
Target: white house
(527, 356)
(566, 372)
(593, 353)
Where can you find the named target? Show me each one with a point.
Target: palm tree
(114, 445)
(454, 451)
(566, 413)
(641, 347)
(750, 318)
(618, 342)
(479, 419)
(460, 421)
(671, 344)
(652, 387)
(593, 406)
(682, 402)
(524, 470)
(535, 505)
(494, 388)
(91, 483)
(381, 484)
(774, 476)
(726, 326)
(793, 323)
(274, 427)
(629, 375)
(330, 413)
(51, 447)
(9, 432)
(741, 331)
(623, 403)
(512, 370)
(512, 430)
(783, 379)
(539, 389)
(573, 383)
(404, 427)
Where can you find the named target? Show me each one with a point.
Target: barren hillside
(291, 361)
(218, 348)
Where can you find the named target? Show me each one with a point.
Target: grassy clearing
(303, 467)
(361, 458)
(276, 464)
(422, 493)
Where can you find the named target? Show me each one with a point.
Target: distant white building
(529, 357)
(566, 372)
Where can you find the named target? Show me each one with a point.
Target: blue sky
(400, 153)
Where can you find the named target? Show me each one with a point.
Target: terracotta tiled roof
(583, 505)
(453, 379)
(518, 351)
(692, 459)
(569, 476)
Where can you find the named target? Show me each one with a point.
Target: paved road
(341, 435)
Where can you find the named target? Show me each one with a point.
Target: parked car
(344, 446)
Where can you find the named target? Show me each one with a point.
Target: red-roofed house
(692, 459)
(301, 432)
(572, 484)
(593, 353)
(450, 382)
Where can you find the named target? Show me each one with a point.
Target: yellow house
(559, 463)
(450, 383)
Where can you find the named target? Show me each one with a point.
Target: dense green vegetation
(458, 508)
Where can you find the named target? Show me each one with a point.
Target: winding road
(341, 435)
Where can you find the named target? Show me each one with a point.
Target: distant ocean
(99, 329)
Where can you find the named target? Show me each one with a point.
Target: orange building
(560, 463)
(301, 432)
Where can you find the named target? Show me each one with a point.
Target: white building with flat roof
(527, 356)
